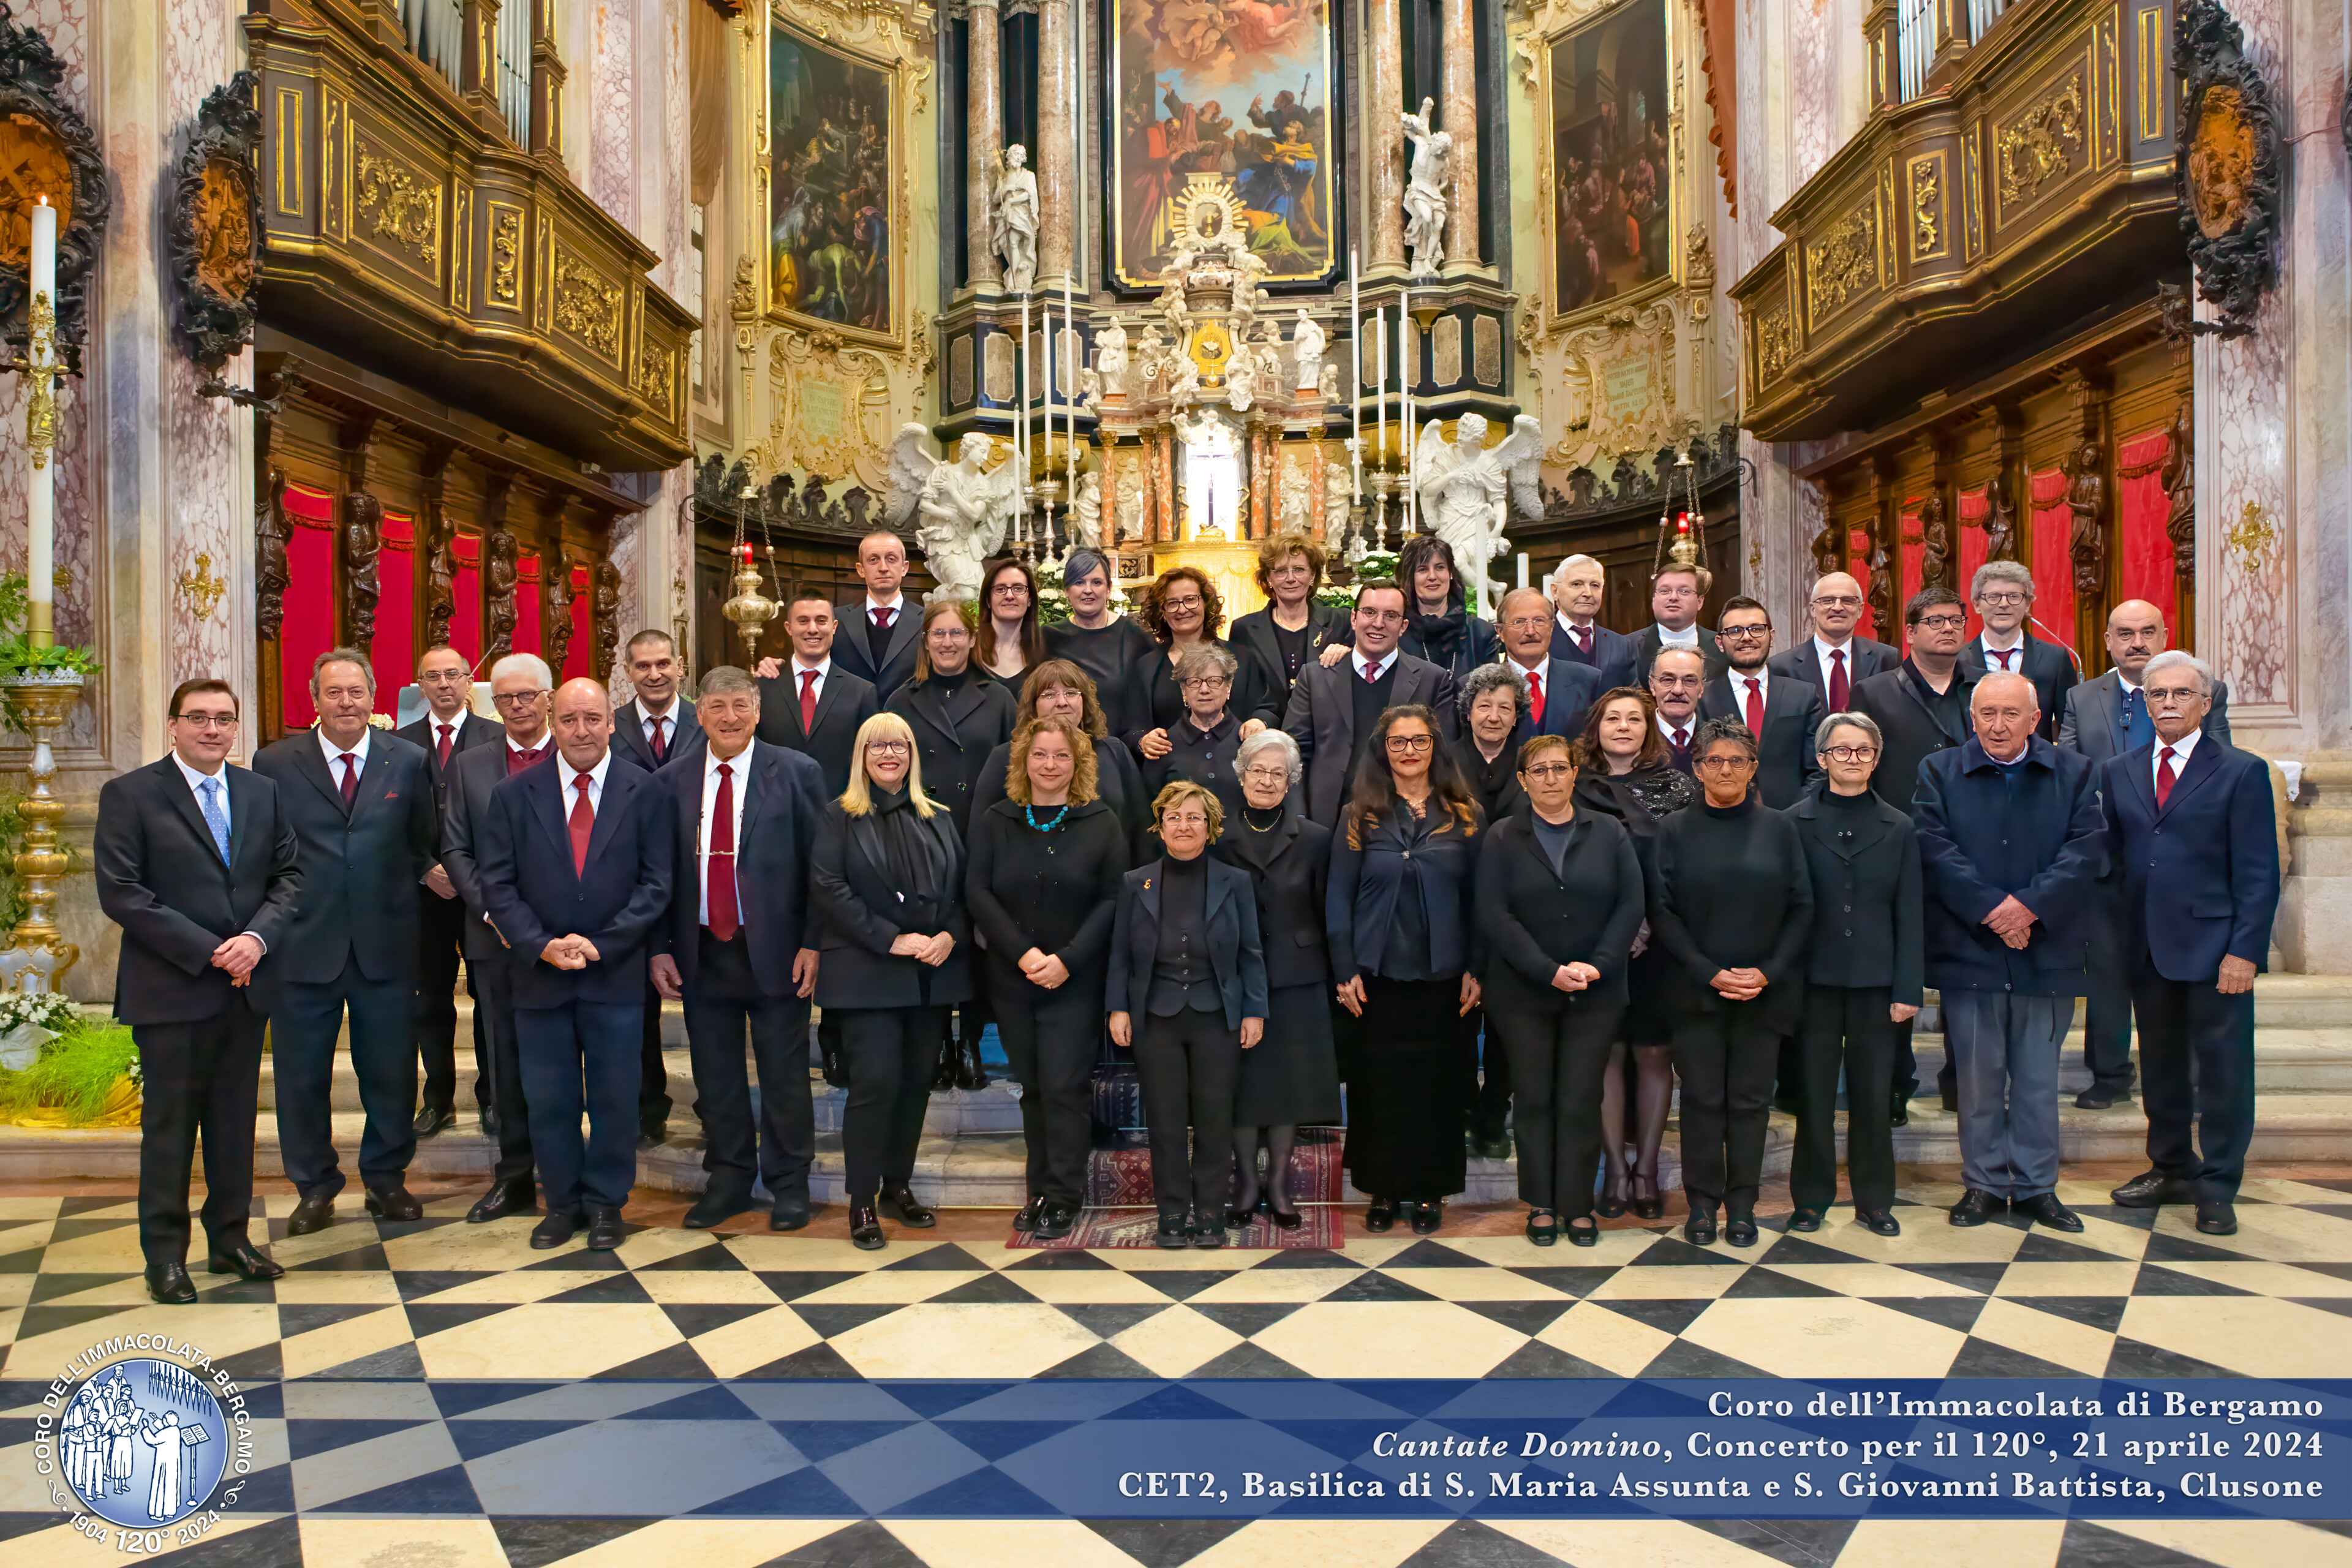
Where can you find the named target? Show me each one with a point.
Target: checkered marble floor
(437, 1394)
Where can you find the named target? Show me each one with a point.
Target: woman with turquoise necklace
(1045, 871)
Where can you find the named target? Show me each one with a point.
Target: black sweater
(1730, 888)
(1052, 892)
(1536, 919)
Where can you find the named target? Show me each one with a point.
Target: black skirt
(1404, 1099)
(1291, 1077)
(1647, 978)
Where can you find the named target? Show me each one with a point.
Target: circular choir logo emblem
(143, 1443)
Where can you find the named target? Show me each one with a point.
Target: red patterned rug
(1119, 1210)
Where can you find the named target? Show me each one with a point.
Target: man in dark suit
(450, 729)
(1579, 588)
(2010, 840)
(879, 632)
(1675, 595)
(815, 706)
(1833, 658)
(195, 863)
(2104, 718)
(737, 948)
(361, 803)
(2193, 844)
(519, 688)
(1781, 714)
(656, 728)
(1560, 690)
(1677, 681)
(2002, 591)
(1333, 709)
(576, 875)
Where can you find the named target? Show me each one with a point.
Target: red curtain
(581, 647)
(2141, 507)
(1971, 544)
(310, 626)
(1912, 568)
(466, 625)
(1857, 548)
(2053, 564)
(526, 632)
(395, 653)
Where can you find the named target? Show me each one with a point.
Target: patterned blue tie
(215, 817)
(2139, 729)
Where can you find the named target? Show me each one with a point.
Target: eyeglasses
(2171, 693)
(1743, 633)
(1204, 682)
(1186, 819)
(516, 699)
(1543, 772)
(1010, 589)
(1943, 623)
(1851, 754)
(2003, 601)
(206, 720)
(1193, 602)
(1528, 623)
(1725, 765)
(1838, 602)
(1267, 775)
(1413, 744)
(888, 749)
(1381, 617)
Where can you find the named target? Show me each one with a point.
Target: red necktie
(661, 741)
(582, 823)
(1681, 741)
(882, 618)
(1839, 689)
(448, 732)
(1583, 636)
(718, 860)
(1535, 698)
(808, 703)
(518, 759)
(1754, 707)
(351, 778)
(2165, 777)
(2002, 654)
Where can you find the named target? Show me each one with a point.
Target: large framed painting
(1238, 99)
(835, 206)
(1611, 159)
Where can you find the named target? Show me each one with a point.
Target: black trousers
(1845, 1027)
(1559, 1051)
(494, 1015)
(1050, 1039)
(1726, 1060)
(2197, 1064)
(440, 934)
(302, 1030)
(575, 1057)
(205, 1075)
(1490, 1098)
(889, 1053)
(2113, 987)
(724, 1003)
(653, 1073)
(1906, 1068)
(1187, 1064)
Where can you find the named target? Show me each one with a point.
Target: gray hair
(728, 678)
(1492, 678)
(1206, 658)
(341, 656)
(1836, 722)
(1083, 565)
(2174, 659)
(1999, 571)
(529, 664)
(1269, 741)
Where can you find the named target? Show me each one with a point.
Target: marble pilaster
(1056, 85)
(984, 117)
(1458, 82)
(1386, 138)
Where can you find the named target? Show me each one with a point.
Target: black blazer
(1118, 784)
(1749, 907)
(1868, 918)
(2197, 877)
(1868, 658)
(1913, 730)
(852, 647)
(782, 796)
(1646, 646)
(160, 878)
(1786, 766)
(1534, 920)
(1322, 720)
(2046, 664)
(1205, 758)
(361, 867)
(629, 735)
(532, 894)
(857, 910)
(843, 701)
(1326, 625)
(1290, 869)
(1052, 891)
(1570, 689)
(1156, 702)
(953, 735)
(1613, 656)
(1235, 949)
(465, 828)
(473, 730)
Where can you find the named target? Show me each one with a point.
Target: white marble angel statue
(1012, 221)
(960, 512)
(1467, 489)
(1110, 358)
(1170, 303)
(1183, 376)
(1425, 192)
(1241, 378)
(1307, 343)
(1085, 512)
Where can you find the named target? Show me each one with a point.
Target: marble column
(984, 113)
(1055, 84)
(1387, 137)
(1458, 82)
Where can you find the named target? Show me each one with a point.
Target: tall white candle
(1354, 379)
(1405, 367)
(1026, 387)
(1070, 406)
(1523, 569)
(41, 425)
(1380, 388)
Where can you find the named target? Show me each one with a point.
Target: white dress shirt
(544, 738)
(821, 671)
(646, 718)
(741, 764)
(1573, 627)
(1372, 671)
(335, 754)
(1686, 637)
(1992, 651)
(596, 774)
(895, 604)
(196, 781)
(2180, 750)
(1763, 679)
(1530, 672)
(1689, 726)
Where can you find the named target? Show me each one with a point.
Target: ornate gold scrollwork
(41, 407)
(2251, 537)
(202, 589)
(587, 305)
(405, 204)
(1927, 207)
(1775, 343)
(1843, 262)
(506, 254)
(2041, 144)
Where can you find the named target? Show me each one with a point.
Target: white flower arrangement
(45, 1009)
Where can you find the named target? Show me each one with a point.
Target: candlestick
(1023, 384)
(1380, 390)
(1070, 402)
(41, 430)
(1405, 368)
(1354, 379)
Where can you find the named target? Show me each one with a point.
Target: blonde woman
(887, 880)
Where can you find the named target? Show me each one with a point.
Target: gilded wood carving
(555, 609)
(214, 236)
(362, 551)
(2042, 144)
(1926, 182)
(404, 205)
(607, 613)
(272, 575)
(501, 576)
(2226, 166)
(2086, 535)
(506, 254)
(47, 148)
(587, 304)
(2180, 481)
(1843, 263)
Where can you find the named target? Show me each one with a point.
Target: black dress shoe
(1951, 1098)
(943, 1073)
(1055, 1221)
(605, 1229)
(907, 1209)
(1805, 1220)
(1741, 1231)
(1239, 1219)
(1878, 1222)
(789, 1213)
(2045, 1209)
(716, 1205)
(1583, 1231)
(1174, 1233)
(555, 1230)
(169, 1283)
(865, 1228)
(240, 1258)
(1611, 1204)
(1207, 1228)
(1498, 1147)
(1380, 1214)
(433, 1117)
(2217, 1218)
(652, 1134)
(1651, 1207)
(1025, 1222)
(1975, 1207)
(2095, 1098)
(1699, 1228)
(509, 1197)
(1427, 1217)
(1899, 1114)
(969, 1074)
(393, 1203)
(1543, 1228)
(316, 1212)
(2150, 1188)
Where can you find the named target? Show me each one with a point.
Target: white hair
(529, 664)
(2173, 658)
(1269, 741)
(2001, 572)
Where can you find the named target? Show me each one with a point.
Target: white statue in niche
(1085, 512)
(1306, 344)
(1241, 378)
(1130, 505)
(960, 512)
(1110, 359)
(1467, 489)
(1424, 191)
(1013, 223)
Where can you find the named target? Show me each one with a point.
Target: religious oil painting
(832, 197)
(1235, 96)
(1611, 165)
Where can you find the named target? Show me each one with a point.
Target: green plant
(77, 1073)
(18, 654)
(1376, 563)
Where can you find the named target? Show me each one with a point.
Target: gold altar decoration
(39, 700)
(202, 589)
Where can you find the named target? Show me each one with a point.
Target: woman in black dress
(1440, 626)
(1295, 629)
(1104, 643)
(1732, 901)
(1561, 895)
(1061, 688)
(1493, 701)
(1046, 866)
(1182, 610)
(1403, 933)
(1622, 771)
(1187, 994)
(1007, 644)
(1202, 745)
(886, 883)
(1292, 1077)
(1862, 976)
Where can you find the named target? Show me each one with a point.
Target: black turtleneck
(952, 683)
(1735, 889)
(1860, 801)
(1265, 820)
(1181, 974)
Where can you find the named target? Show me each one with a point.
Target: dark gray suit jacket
(1322, 720)
(1787, 764)
(2048, 664)
(1868, 658)
(2093, 723)
(629, 735)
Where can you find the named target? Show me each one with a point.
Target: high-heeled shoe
(1611, 1204)
(1290, 1221)
(943, 1075)
(969, 1073)
(1652, 1205)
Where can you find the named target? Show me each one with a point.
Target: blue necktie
(215, 817)
(2139, 729)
